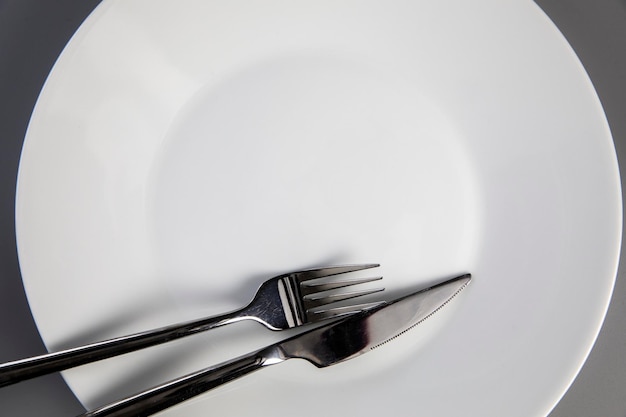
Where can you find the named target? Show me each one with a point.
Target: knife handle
(181, 389)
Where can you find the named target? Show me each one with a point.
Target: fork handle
(16, 371)
(181, 389)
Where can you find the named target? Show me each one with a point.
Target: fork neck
(212, 322)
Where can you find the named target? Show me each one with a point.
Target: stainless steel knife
(323, 346)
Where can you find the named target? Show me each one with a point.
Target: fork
(282, 302)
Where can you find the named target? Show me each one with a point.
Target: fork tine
(341, 311)
(312, 287)
(319, 299)
(310, 274)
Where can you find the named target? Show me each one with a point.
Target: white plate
(183, 151)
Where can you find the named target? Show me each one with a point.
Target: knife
(323, 346)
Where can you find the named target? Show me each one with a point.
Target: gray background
(33, 33)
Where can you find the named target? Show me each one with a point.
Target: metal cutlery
(323, 346)
(283, 302)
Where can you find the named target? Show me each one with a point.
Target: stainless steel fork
(282, 302)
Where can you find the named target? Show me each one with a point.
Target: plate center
(308, 160)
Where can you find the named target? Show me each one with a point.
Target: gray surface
(32, 34)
